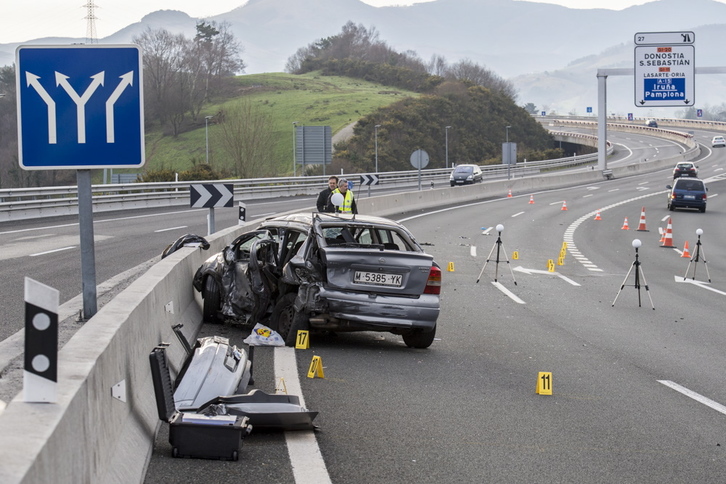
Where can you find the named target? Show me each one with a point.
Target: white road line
(703, 285)
(517, 214)
(171, 228)
(696, 396)
(307, 462)
(507, 292)
(52, 251)
(472, 250)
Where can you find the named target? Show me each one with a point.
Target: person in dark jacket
(325, 194)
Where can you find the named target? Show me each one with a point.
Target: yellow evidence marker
(451, 267)
(515, 255)
(544, 383)
(302, 342)
(316, 368)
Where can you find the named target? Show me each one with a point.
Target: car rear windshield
(694, 185)
(364, 237)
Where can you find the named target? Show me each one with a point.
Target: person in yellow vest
(349, 205)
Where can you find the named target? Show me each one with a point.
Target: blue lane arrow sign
(211, 195)
(80, 106)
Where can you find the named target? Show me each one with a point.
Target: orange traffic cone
(597, 215)
(531, 199)
(564, 205)
(668, 236)
(685, 251)
(641, 225)
(509, 194)
(625, 225)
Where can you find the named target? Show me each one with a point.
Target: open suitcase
(195, 434)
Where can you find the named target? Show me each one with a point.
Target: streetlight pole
(294, 151)
(375, 129)
(206, 133)
(447, 146)
(509, 153)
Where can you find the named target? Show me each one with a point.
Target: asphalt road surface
(637, 392)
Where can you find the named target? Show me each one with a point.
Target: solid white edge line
(171, 228)
(52, 251)
(696, 396)
(507, 292)
(308, 466)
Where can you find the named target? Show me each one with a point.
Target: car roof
(306, 219)
(688, 180)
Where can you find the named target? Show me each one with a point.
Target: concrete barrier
(89, 436)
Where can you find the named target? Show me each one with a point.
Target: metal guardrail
(24, 203)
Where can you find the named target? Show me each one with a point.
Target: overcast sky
(22, 20)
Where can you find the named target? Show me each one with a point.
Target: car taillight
(433, 284)
(704, 196)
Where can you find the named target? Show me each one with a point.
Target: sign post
(419, 159)
(664, 69)
(80, 107)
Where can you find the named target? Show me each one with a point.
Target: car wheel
(286, 321)
(671, 207)
(419, 338)
(453, 184)
(703, 209)
(212, 301)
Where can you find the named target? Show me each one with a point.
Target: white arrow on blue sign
(211, 195)
(80, 106)
(368, 180)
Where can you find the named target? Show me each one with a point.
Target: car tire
(671, 207)
(702, 209)
(212, 301)
(286, 321)
(419, 338)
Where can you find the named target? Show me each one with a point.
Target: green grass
(309, 99)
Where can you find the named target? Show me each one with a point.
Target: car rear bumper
(380, 312)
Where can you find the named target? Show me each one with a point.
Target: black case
(194, 434)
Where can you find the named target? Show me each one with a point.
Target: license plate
(689, 197)
(377, 278)
(459, 181)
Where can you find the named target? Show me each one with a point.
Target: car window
(366, 237)
(242, 251)
(695, 185)
(463, 169)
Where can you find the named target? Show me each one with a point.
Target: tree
(244, 135)
(468, 71)
(530, 108)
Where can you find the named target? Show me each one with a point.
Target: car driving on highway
(718, 142)
(465, 174)
(320, 271)
(687, 193)
(685, 168)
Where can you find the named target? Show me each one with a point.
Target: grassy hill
(310, 99)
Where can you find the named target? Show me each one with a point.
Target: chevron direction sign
(368, 180)
(211, 195)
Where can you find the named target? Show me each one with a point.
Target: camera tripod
(696, 257)
(500, 248)
(638, 275)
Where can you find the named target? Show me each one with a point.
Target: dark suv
(687, 193)
(331, 272)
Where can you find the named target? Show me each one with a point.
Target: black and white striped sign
(40, 374)
(368, 180)
(211, 195)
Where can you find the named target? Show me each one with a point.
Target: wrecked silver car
(331, 272)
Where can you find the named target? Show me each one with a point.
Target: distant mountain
(551, 53)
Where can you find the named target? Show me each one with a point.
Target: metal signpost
(419, 159)
(368, 180)
(211, 195)
(80, 107)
